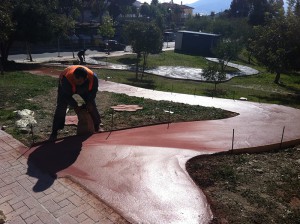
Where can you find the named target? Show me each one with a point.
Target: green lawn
(22, 90)
(257, 88)
(17, 88)
(164, 59)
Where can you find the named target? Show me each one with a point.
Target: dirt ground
(44, 117)
(245, 188)
(250, 188)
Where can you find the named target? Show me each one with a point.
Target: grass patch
(18, 88)
(256, 88)
(155, 112)
(166, 58)
(22, 90)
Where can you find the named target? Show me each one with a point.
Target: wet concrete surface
(141, 172)
(96, 58)
(265, 120)
(177, 72)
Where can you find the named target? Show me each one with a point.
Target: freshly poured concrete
(141, 172)
(179, 72)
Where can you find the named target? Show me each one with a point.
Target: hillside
(208, 6)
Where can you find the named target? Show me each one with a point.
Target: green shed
(196, 43)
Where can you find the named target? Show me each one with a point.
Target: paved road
(58, 56)
(176, 72)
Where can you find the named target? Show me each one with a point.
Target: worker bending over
(79, 80)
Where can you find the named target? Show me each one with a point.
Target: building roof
(173, 4)
(198, 33)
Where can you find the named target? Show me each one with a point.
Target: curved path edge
(141, 172)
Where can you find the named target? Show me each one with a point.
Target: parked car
(169, 36)
(112, 45)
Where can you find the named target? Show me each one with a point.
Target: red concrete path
(141, 172)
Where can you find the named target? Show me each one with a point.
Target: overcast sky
(184, 2)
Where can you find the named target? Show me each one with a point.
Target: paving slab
(28, 195)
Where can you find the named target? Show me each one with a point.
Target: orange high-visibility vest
(69, 74)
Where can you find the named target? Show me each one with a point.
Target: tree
(294, 8)
(115, 7)
(232, 28)
(276, 45)
(106, 29)
(6, 27)
(260, 10)
(177, 12)
(145, 10)
(214, 73)
(144, 38)
(35, 21)
(33, 26)
(250, 48)
(293, 20)
(154, 2)
(69, 7)
(6, 24)
(40, 21)
(226, 50)
(199, 23)
(239, 8)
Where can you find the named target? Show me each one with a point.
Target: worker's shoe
(53, 136)
(99, 128)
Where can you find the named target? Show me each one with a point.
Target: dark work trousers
(61, 108)
(81, 59)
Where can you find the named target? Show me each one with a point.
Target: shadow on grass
(215, 93)
(291, 88)
(127, 61)
(143, 83)
(13, 66)
(282, 99)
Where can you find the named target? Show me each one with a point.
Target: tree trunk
(1, 67)
(4, 48)
(1, 61)
(277, 78)
(222, 65)
(144, 65)
(29, 50)
(249, 57)
(137, 67)
(82, 11)
(144, 62)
